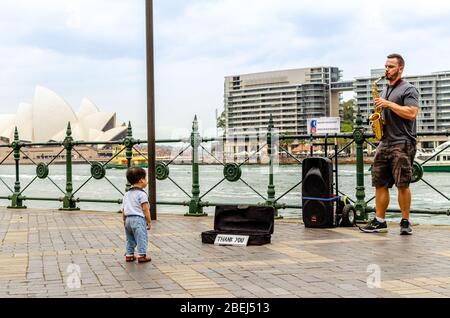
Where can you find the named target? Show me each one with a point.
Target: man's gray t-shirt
(397, 129)
(132, 202)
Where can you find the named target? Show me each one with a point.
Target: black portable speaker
(317, 192)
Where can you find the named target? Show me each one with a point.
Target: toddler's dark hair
(134, 174)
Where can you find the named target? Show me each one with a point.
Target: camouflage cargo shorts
(393, 165)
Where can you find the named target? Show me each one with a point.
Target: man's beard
(392, 76)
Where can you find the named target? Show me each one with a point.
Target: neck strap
(388, 93)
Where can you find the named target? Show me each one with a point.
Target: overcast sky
(96, 49)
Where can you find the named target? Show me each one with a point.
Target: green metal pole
(16, 200)
(194, 207)
(271, 150)
(69, 203)
(358, 135)
(128, 142)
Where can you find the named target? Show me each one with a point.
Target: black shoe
(405, 227)
(375, 227)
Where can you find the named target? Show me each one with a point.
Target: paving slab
(51, 253)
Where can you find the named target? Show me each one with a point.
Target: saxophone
(375, 118)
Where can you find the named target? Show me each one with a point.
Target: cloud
(211, 39)
(92, 28)
(114, 84)
(299, 30)
(76, 48)
(97, 48)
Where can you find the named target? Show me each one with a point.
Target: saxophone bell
(374, 116)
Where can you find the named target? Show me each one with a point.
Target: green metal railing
(68, 147)
(232, 171)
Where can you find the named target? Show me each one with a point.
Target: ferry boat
(120, 161)
(440, 162)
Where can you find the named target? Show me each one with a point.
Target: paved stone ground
(47, 253)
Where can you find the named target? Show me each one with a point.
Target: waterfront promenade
(51, 253)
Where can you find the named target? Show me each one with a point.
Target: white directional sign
(324, 125)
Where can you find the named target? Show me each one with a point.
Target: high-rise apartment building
(291, 96)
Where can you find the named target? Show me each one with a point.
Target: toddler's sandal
(144, 259)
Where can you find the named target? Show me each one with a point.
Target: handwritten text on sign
(228, 239)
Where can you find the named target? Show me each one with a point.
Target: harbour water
(237, 192)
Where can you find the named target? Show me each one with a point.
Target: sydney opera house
(46, 118)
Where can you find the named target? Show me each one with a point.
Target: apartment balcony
(260, 120)
(265, 107)
(265, 90)
(256, 119)
(421, 118)
(237, 108)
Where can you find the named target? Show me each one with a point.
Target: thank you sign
(229, 239)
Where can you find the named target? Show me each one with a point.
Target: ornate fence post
(358, 135)
(194, 206)
(16, 200)
(270, 151)
(68, 200)
(128, 143)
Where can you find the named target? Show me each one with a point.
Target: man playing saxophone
(395, 153)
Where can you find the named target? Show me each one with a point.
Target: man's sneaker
(405, 227)
(375, 226)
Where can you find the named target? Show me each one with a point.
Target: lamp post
(150, 108)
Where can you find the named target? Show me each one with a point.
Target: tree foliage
(347, 115)
(221, 120)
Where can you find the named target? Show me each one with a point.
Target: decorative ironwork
(232, 172)
(42, 170)
(162, 171)
(98, 170)
(417, 172)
